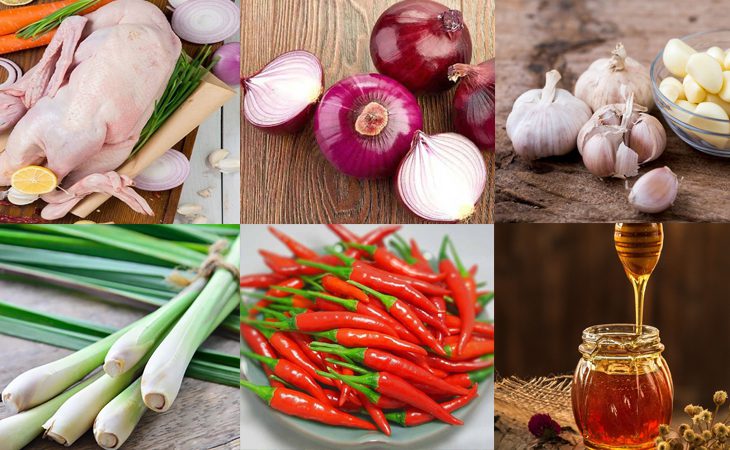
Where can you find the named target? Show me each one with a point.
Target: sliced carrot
(12, 20)
(10, 43)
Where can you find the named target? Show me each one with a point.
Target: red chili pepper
(303, 342)
(473, 348)
(376, 236)
(403, 313)
(462, 299)
(295, 301)
(302, 405)
(343, 232)
(482, 328)
(329, 320)
(459, 366)
(375, 413)
(289, 349)
(390, 262)
(429, 319)
(350, 404)
(261, 280)
(391, 385)
(300, 250)
(412, 417)
(296, 283)
(421, 261)
(473, 270)
(350, 337)
(258, 344)
(383, 361)
(482, 301)
(292, 374)
(339, 288)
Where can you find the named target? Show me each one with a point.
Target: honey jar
(622, 388)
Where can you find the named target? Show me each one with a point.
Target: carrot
(10, 43)
(12, 20)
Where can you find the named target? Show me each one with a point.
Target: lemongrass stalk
(42, 383)
(118, 418)
(164, 373)
(76, 416)
(140, 339)
(19, 430)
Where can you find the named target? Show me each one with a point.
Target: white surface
(221, 130)
(475, 243)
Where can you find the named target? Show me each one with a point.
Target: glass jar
(622, 389)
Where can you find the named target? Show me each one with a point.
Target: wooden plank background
(204, 416)
(555, 280)
(535, 36)
(286, 179)
(163, 204)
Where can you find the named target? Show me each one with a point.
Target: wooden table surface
(204, 416)
(535, 36)
(164, 204)
(286, 179)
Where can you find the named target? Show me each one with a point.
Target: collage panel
(341, 349)
(367, 111)
(119, 111)
(574, 369)
(119, 337)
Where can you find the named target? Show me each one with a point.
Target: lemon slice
(34, 180)
(15, 2)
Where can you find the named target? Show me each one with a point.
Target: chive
(53, 20)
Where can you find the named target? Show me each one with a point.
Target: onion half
(280, 98)
(13, 70)
(228, 67)
(442, 177)
(167, 172)
(206, 21)
(415, 42)
(365, 123)
(474, 102)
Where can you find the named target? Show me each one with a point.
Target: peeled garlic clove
(189, 209)
(229, 165)
(627, 162)
(724, 93)
(717, 53)
(545, 122)
(655, 191)
(706, 71)
(217, 156)
(692, 90)
(675, 57)
(672, 89)
(647, 138)
(721, 126)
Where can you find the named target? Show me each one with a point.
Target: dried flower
(663, 446)
(719, 398)
(692, 410)
(542, 426)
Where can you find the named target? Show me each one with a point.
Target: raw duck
(81, 109)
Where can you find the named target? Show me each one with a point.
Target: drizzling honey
(639, 246)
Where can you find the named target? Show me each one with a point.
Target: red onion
(442, 177)
(167, 172)
(228, 67)
(415, 42)
(14, 72)
(280, 98)
(474, 102)
(365, 123)
(206, 21)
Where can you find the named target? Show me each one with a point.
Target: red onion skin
(410, 43)
(296, 123)
(345, 147)
(474, 103)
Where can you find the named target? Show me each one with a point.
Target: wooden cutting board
(163, 204)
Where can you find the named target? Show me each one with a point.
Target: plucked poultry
(81, 109)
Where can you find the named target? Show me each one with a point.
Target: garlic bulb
(655, 191)
(545, 122)
(600, 84)
(618, 138)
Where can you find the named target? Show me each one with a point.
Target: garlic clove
(654, 191)
(229, 165)
(599, 153)
(627, 162)
(675, 56)
(189, 209)
(205, 193)
(201, 219)
(217, 156)
(647, 138)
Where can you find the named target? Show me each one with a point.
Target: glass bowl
(678, 118)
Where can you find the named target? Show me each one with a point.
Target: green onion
(164, 372)
(184, 80)
(20, 429)
(118, 418)
(53, 20)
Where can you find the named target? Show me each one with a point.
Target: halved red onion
(280, 98)
(228, 67)
(415, 42)
(364, 124)
(206, 21)
(474, 102)
(13, 70)
(442, 177)
(167, 172)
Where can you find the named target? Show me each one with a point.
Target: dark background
(556, 280)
